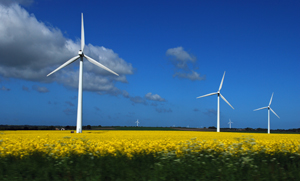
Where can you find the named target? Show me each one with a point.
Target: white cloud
(108, 58)
(192, 76)
(10, 2)
(181, 60)
(30, 50)
(125, 94)
(154, 97)
(181, 56)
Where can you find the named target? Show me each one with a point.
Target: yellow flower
(63, 143)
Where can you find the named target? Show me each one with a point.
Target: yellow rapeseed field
(97, 143)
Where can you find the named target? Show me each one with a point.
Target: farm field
(149, 155)
(62, 143)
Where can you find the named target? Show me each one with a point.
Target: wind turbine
(137, 123)
(269, 108)
(230, 123)
(81, 55)
(219, 94)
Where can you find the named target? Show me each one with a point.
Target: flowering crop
(98, 143)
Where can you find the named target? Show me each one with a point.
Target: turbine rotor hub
(80, 53)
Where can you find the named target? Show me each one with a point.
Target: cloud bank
(30, 50)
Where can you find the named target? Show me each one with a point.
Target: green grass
(207, 165)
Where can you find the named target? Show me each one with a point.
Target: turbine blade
(65, 64)
(207, 95)
(99, 64)
(274, 113)
(271, 99)
(82, 33)
(260, 108)
(222, 82)
(226, 101)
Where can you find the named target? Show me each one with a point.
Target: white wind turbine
(230, 123)
(219, 94)
(137, 123)
(269, 108)
(81, 55)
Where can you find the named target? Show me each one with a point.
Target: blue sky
(167, 54)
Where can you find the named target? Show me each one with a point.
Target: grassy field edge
(207, 165)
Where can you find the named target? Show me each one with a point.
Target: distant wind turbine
(269, 108)
(81, 55)
(219, 94)
(137, 123)
(230, 123)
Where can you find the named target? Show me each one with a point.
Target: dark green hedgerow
(207, 165)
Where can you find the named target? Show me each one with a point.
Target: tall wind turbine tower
(81, 55)
(137, 123)
(219, 95)
(230, 123)
(269, 108)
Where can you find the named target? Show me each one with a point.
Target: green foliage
(206, 165)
